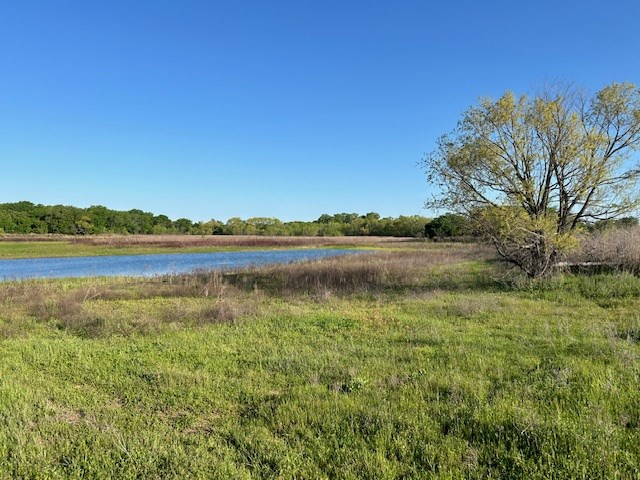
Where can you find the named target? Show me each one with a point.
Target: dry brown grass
(360, 273)
(177, 241)
(33, 237)
(616, 248)
(73, 307)
(198, 284)
(43, 302)
(225, 310)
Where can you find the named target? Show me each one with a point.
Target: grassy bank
(38, 246)
(423, 363)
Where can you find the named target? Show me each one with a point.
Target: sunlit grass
(423, 364)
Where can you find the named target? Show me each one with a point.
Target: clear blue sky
(206, 109)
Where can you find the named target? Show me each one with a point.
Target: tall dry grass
(72, 307)
(222, 241)
(365, 272)
(34, 237)
(617, 249)
(177, 241)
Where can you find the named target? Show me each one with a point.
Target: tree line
(28, 218)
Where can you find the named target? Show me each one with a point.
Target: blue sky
(205, 109)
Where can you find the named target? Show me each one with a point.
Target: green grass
(68, 249)
(416, 371)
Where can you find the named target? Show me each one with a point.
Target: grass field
(422, 362)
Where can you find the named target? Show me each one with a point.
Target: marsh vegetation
(426, 360)
(36, 246)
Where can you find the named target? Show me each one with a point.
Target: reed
(615, 249)
(177, 241)
(366, 272)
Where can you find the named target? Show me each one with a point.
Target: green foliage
(544, 164)
(449, 225)
(25, 218)
(614, 223)
(371, 224)
(531, 243)
(183, 225)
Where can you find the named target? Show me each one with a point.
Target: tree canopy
(26, 217)
(530, 169)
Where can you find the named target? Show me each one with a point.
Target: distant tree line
(26, 217)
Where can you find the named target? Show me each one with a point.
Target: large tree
(530, 169)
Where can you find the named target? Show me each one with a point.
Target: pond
(152, 265)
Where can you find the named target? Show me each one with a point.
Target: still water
(150, 265)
